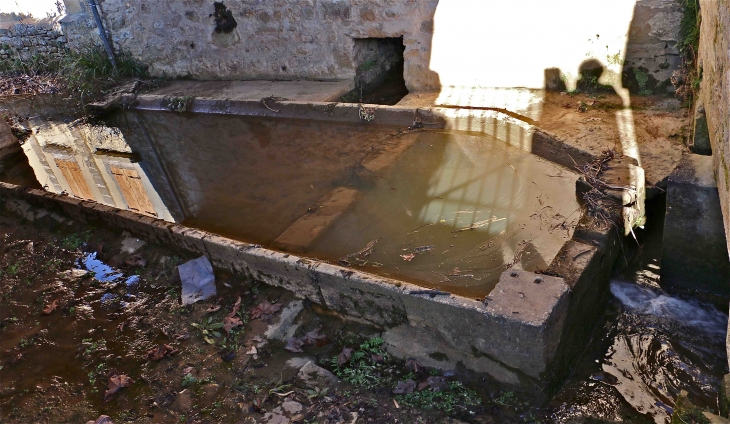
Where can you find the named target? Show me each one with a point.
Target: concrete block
(369, 298)
(278, 269)
(8, 143)
(700, 135)
(694, 250)
(430, 350)
(527, 314)
(724, 396)
(187, 238)
(587, 270)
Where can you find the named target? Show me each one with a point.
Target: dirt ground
(589, 122)
(76, 344)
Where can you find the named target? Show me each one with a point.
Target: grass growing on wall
(689, 30)
(84, 74)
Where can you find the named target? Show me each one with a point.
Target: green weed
(455, 396)
(93, 346)
(189, 380)
(689, 29)
(209, 329)
(367, 65)
(362, 369)
(74, 241)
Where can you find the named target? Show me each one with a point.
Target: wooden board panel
(130, 183)
(75, 179)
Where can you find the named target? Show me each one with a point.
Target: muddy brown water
(445, 210)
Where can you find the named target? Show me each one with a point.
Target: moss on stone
(687, 413)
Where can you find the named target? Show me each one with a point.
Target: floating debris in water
(480, 224)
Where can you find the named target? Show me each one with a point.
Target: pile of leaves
(27, 84)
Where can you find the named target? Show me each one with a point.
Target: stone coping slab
(504, 125)
(297, 90)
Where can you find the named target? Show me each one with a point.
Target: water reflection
(91, 163)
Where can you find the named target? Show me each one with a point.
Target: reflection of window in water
(92, 163)
(130, 184)
(74, 178)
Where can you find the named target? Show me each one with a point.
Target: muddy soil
(589, 122)
(69, 338)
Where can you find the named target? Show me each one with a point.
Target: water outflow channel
(442, 209)
(651, 346)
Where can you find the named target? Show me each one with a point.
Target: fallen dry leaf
(311, 338)
(103, 419)
(136, 260)
(265, 310)
(188, 370)
(294, 344)
(161, 351)
(408, 257)
(435, 382)
(404, 387)
(116, 382)
(344, 356)
(413, 365)
(50, 308)
(213, 308)
(236, 307)
(231, 322)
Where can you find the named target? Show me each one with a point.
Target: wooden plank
(75, 179)
(130, 184)
(307, 228)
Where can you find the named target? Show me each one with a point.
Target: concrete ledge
(694, 250)
(503, 125)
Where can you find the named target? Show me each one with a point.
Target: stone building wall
(714, 61)
(273, 39)
(460, 43)
(22, 41)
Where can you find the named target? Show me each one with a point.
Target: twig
(585, 251)
(422, 226)
(430, 293)
(263, 102)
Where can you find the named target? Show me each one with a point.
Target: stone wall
(714, 61)
(454, 43)
(22, 41)
(275, 39)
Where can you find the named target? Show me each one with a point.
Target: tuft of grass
(456, 397)
(74, 241)
(689, 29)
(362, 370)
(84, 73)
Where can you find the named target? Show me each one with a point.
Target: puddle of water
(465, 206)
(102, 272)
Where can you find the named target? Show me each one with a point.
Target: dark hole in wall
(378, 71)
(224, 21)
